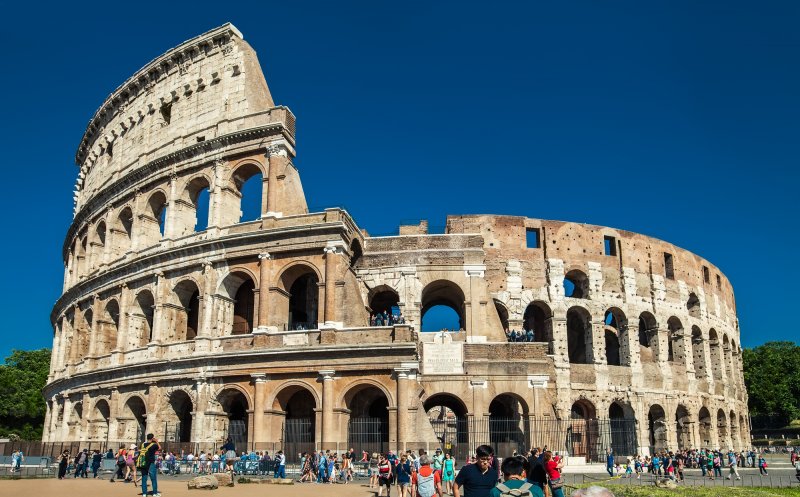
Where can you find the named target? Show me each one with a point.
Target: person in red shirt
(427, 481)
(553, 469)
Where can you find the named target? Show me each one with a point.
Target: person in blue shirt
(610, 462)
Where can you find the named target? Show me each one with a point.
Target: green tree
(772, 377)
(22, 407)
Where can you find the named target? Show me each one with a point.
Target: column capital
(327, 374)
(258, 377)
(333, 249)
(265, 256)
(277, 149)
(538, 381)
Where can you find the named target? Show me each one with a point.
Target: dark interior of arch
(445, 401)
(244, 308)
(612, 348)
(356, 252)
(301, 405)
(576, 285)
(303, 302)
(615, 411)
(577, 325)
(369, 403)
(693, 305)
(502, 313)
(582, 410)
(505, 406)
(182, 406)
(384, 301)
(535, 319)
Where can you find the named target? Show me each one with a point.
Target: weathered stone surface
(249, 319)
(203, 482)
(224, 479)
(666, 483)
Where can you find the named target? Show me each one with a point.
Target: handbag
(556, 483)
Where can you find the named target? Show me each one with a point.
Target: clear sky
(676, 119)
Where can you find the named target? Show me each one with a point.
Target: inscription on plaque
(442, 356)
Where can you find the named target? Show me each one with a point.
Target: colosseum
(184, 317)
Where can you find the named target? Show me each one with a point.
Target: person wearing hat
(438, 462)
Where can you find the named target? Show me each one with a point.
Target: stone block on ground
(204, 482)
(281, 481)
(666, 483)
(224, 479)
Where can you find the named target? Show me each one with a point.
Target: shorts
(373, 471)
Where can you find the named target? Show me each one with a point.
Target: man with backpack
(427, 481)
(514, 483)
(146, 462)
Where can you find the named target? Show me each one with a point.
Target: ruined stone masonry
(199, 329)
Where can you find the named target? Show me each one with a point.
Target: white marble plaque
(442, 356)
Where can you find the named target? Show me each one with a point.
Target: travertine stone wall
(257, 323)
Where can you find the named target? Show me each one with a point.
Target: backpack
(141, 459)
(522, 491)
(426, 485)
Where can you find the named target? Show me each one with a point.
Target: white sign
(442, 356)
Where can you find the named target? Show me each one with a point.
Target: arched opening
(448, 416)
(579, 336)
(622, 425)
(676, 350)
(383, 302)
(583, 433)
(704, 420)
(716, 354)
(683, 428)
(538, 317)
(693, 306)
(140, 322)
(107, 328)
(657, 428)
(155, 217)
(132, 424)
(74, 422)
(442, 306)
(722, 430)
(509, 429)
(83, 266)
(576, 285)
(98, 245)
(356, 252)
(698, 353)
(303, 303)
(197, 210)
(181, 429)
(616, 325)
(235, 405)
(299, 423)
(502, 314)
(102, 415)
(122, 232)
(244, 308)
(726, 357)
(648, 337)
(368, 427)
(249, 183)
(187, 315)
(735, 443)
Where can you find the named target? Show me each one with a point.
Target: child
(629, 469)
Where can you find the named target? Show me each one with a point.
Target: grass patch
(652, 491)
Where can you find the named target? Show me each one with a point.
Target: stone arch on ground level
(298, 402)
(99, 422)
(368, 424)
(583, 433)
(179, 427)
(448, 416)
(132, 425)
(704, 428)
(657, 428)
(509, 427)
(683, 427)
(236, 406)
(622, 428)
(722, 430)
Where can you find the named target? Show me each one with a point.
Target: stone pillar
(596, 343)
(113, 414)
(124, 314)
(153, 398)
(403, 421)
(169, 222)
(480, 411)
(277, 157)
(331, 263)
(260, 381)
(95, 328)
(560, 349)
(201, 433)
(48, 415)
(158, 311)
(85, 413)
(328, 401)
(264, 277)
(215, 195)
(65, 417)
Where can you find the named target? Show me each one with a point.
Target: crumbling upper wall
(206, 87)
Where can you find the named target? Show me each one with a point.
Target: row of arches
(138, 224)
(710, 354)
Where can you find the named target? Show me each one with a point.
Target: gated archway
(448, 416)
(368, 428)
(299, 421)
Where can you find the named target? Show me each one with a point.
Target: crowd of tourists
(671, 464)
(386, 318)
(519, 336)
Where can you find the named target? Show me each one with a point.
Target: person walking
(449, 473)
(80, 463)
(97, 457)
(404, 472)
(427, 480)
(762, 465)
(384, 475)
(146, 461)
(479, 478)
(63, 463)
(732, 464)
(610, 461)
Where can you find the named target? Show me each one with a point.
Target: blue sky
(675, 119)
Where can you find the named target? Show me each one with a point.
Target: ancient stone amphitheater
(196, 324)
